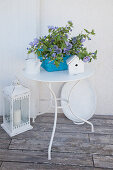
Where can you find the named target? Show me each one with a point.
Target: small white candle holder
(16, 117)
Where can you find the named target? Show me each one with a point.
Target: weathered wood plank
(3, 134)
(0, 164)
(41, 157)
(32, 166)
(64, 128)
(103, 161)
(4, 143)
(59, 137)
(68, 146)
(110, 117)
(101, 138)
(60, 115)
(64, 120)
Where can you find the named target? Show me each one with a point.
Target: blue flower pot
(50, 66)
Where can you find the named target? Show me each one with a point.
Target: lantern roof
(15, 90)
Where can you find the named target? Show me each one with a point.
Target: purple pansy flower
(86, 59)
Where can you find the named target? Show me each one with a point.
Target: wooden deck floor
(74, 146)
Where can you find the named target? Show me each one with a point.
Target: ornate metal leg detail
(55, 121)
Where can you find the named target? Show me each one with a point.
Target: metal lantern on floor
(16, 117)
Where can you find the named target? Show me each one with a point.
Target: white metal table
(60, 76)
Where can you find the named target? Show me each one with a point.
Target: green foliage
(57, 44)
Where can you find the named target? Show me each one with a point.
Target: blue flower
(89, 38)
(52, 40)
(83, 40)
(65, 50)
(44, 37)
(31, 43)
(86, 59)
(54, 55)
(66, 42)
(74, 40)
(58, 51)
(77, 51)
(55, 47)
(49, 49)
(66, 35)
(51, 27)
(69, 45)
(46, 55)
(36, 41)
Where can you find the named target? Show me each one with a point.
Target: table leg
(55, 121)
(86, 121)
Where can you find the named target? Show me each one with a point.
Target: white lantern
(16, 117)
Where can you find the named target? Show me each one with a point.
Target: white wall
(18, 26)
(96, 14)
(20, 21)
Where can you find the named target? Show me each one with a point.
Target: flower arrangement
(58, 44)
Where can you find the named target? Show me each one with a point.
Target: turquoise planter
(50, 66)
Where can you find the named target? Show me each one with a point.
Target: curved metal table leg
(88, 122)
(55, 121)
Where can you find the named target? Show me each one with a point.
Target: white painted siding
(18, 26)
(96, 14)
(21, 20)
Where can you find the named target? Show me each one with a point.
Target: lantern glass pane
(7, 118)
(16, 112)
(21, 111)
(25, 109)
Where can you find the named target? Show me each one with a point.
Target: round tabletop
(58, 76)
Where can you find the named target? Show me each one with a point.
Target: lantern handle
(16, 82)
